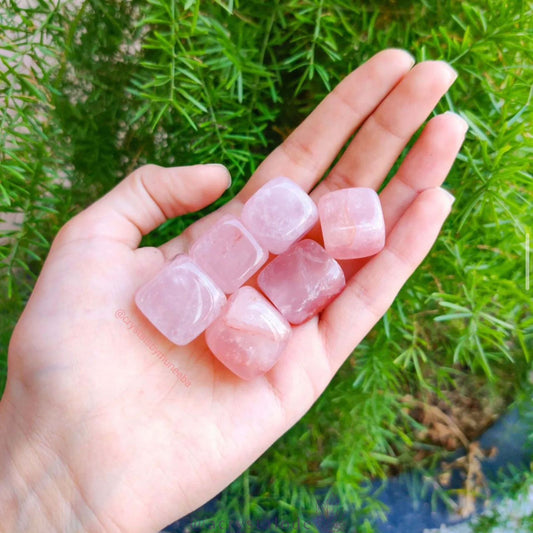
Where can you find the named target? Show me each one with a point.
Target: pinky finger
(371, 291)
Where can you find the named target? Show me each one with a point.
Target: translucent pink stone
(352, 223)
(228, 253)
(279, 213)
(181, 300)
(250, 335)
(302, 281)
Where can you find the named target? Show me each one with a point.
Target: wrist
(37, 491)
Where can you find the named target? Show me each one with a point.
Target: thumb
(145, 199)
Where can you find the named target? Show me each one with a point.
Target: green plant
(92, 89)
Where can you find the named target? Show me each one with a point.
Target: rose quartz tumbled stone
(302, 281)
(250, 335)
(228, 253)
(181, 300)
(352, 223)
(279, 213)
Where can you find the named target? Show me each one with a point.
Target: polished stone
(250, 335)
(181, 300)
(302, 281)
(352, 223)
(228, 253)
(279, 214)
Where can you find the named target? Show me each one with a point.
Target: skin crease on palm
(96, 433)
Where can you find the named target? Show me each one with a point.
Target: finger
(426, 165)
(371, 291)
(145, 199)
(384, 135)
(311, 148)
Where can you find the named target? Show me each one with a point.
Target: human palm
(136, 447)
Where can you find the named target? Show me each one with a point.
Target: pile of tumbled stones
(249, 332)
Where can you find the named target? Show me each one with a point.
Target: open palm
(126, 444)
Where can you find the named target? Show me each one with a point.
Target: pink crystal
(352, 223)
(302, 281)
(250, 335)
(278, 214)
(228, 253)
(181, 300)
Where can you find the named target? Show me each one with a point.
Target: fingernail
(452, 73)
(403, 52)
(411, 56)
(228, 177)
(450, 197)
(222, 167)
(460, 120)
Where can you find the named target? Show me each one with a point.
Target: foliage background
(91, 89)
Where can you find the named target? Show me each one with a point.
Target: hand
(99, 434)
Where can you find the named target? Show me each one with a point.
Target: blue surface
(508, 435)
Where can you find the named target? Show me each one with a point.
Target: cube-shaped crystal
(302, 281)
(279, 213)
(181, 300)
(228, 253)
(249, 335)
(352, 223)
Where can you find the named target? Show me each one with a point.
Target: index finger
(309, 150)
